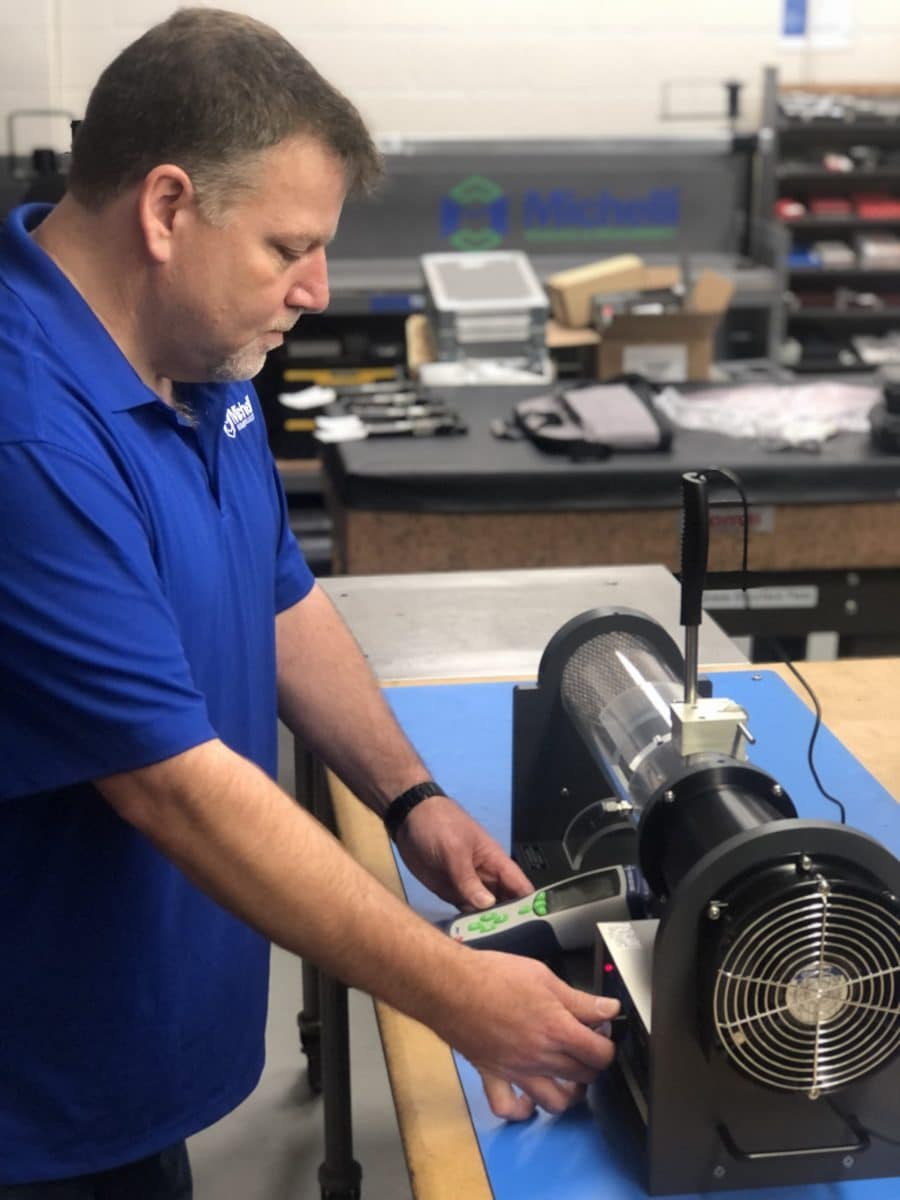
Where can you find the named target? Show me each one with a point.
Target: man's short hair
(209, 90)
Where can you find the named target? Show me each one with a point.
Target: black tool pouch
(595, 421)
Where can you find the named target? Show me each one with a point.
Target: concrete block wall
(514, 68)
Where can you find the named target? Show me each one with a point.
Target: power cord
(882, 1137)
(817, 725)
(734, 479)
(854, 1122)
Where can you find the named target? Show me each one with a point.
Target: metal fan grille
(807, 997)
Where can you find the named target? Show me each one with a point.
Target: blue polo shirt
(143, 558)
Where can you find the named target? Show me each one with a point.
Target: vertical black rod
(694, 557)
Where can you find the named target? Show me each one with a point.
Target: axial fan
(806, 989)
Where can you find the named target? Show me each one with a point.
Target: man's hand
(508, 1102)
(456, 859)
(534, 1039)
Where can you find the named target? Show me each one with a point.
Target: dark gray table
(825, 528)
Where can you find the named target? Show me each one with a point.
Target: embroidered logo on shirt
(238, 416)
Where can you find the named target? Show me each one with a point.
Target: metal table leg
(324, 1021)
(309, 1026)
(340, 1175)
(309, 1021)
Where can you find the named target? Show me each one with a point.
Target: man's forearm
(247, 844)
(329, 696)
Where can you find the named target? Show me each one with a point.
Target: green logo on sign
(475, 214)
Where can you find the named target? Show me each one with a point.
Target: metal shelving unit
(872, 275)
(823, 311)
(847, 316)
(820, 224)
(838, 180)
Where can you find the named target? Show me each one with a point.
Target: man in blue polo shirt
(156, 615)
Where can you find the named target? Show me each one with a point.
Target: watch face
(601, 885)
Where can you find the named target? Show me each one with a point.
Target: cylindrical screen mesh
(617, 691)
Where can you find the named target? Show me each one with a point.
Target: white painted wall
(513, 68)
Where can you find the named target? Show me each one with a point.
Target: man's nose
(309, 290)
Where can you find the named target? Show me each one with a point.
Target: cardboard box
(667, 347)
(421, 345)
(571, 291)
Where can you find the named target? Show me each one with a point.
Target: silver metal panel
(630, 946)
(495, 624)
(497, 281)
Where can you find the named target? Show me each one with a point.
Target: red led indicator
(608, 968)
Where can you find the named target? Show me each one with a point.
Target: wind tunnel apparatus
(761, 1004)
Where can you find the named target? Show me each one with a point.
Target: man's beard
(238, 367)
(247, 362)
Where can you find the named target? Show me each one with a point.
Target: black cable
(734, 479)
(854, 1122)
(882, 1137)
(817, 725)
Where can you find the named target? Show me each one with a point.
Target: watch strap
(400, 808)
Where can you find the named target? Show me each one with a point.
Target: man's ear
(166, 193)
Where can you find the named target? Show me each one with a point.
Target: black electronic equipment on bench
(760, 1044)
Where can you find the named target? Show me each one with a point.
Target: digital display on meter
(601, 885)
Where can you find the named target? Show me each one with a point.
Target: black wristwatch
(398, 810)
